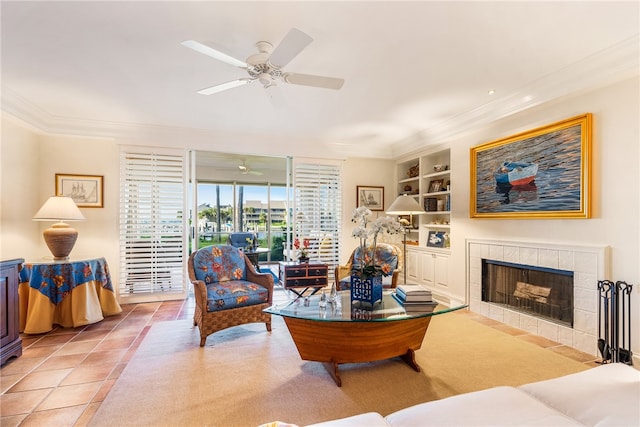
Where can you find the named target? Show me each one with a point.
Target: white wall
(98, 233)
(19, 191)
(29, 165)
(615, 195)
(367, 172)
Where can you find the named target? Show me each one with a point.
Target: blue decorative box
(366, 290)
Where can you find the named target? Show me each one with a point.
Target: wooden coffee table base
(336, 342)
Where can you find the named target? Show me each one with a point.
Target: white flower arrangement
(360, 216)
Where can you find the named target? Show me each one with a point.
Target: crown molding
(616, 63)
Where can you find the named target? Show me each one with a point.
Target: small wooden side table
(299, 277)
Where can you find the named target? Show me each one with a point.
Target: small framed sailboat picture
(371, 197)
(85, 190)
(542, 173)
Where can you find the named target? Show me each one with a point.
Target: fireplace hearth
(588, 264)
(541, 292)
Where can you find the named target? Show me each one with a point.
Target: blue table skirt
(57, 279)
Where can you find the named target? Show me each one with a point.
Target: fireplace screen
(540, 292)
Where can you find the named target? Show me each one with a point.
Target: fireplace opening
(542, 292)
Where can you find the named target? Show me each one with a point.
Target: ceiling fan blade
(310, 80)
(255, 172)
(209, 51)
(224, 86)
(290, 46)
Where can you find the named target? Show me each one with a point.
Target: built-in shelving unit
(427, 177)
(409, 183)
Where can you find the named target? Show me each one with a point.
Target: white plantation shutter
(318, 206)
(153, 202)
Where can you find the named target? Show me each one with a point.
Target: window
(318, 208)
(152, 224)
(215, 213)
(256, 208)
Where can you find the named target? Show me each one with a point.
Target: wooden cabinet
(10, 341)
(302, 275)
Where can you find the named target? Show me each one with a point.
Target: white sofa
(608, 395)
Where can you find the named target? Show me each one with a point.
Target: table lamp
(60, 238)
(405, 205)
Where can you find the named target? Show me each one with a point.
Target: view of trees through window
(225, 208)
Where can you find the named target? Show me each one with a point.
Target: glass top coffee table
(346, 333)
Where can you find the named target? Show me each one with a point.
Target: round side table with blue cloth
(69, 293)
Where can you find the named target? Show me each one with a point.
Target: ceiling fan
(266, 66)
(245, 170)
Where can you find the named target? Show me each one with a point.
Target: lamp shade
(60, 238)
(405, 205)
(59, 208)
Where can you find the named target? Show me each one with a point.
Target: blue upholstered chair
(242, 239)
(228, 290)
(386, 253)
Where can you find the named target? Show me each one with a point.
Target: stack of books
(415, 298)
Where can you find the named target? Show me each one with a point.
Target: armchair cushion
(234, 293)
(219, 264)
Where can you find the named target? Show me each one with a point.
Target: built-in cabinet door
(412, 265)
(441, 270)
(435, 270)
(428, 265)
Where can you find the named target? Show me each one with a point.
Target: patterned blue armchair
(386, 253)
(228, 290)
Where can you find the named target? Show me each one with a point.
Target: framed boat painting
(542, 173)
(85, 190)
(371, 197)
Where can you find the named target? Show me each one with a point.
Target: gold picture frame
(541, 173)
(371, 197)
(85, 190)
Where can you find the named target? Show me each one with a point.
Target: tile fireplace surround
(588, 264)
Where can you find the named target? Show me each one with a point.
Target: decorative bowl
(439, 168)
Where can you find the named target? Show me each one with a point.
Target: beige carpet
(246, 376)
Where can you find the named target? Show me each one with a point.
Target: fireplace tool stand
(614, 319)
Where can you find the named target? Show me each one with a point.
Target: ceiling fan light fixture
(265, 79)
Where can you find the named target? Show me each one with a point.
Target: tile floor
(63, 376)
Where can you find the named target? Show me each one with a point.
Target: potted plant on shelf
(366, 270)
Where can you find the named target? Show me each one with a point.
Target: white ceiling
(414, 71)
